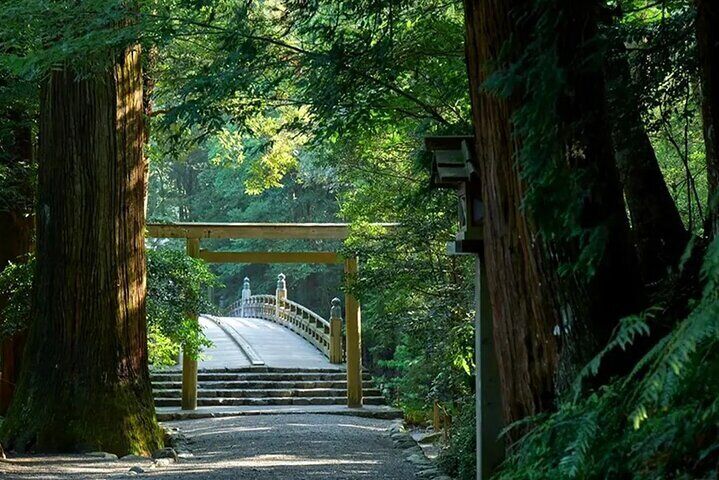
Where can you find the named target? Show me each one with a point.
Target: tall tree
(17, 227)
(523, 305)
(657, 227)
(561, 268)
(87, 345)
(708, 47)
(607, 287)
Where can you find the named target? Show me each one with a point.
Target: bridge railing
(325, 335)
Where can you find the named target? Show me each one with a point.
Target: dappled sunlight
(295, 460)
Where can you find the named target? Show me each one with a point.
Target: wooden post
(246, 294)
(490, 448)
(436, 417)
(353, 321)
(189, 364)
(336, 331)
(446, 425)
(280, 294)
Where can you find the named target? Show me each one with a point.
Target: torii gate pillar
(189, 364)
(354, 340)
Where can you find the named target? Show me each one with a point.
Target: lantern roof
(452, 160)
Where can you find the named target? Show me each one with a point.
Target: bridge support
(189, 364)
(354, 340)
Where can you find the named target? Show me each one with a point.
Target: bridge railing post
(336, 353)
(246, 294)
(280, 294)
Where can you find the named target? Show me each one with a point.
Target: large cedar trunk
(523, 305)
(657, 227)
(87, 346)
(530, 300)
(708, 46)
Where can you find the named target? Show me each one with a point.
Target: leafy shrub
(175, 287)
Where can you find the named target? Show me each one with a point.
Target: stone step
(368, 411)
(250, 369)
(210, 402)
(242, 384)
(267, 377)
(276, 393)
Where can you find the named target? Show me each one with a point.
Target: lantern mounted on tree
(453, 166)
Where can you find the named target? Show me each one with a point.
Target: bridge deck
(276, 345)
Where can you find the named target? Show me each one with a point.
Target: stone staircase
(253, 386)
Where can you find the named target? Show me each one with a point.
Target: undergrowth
(659, 422)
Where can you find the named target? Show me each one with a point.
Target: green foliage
(16, 288)
(176, 288)
(661, 47)
(18, 104)
(661, 421)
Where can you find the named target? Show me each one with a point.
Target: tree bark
(657, 227)
(523, 305)
(85, 383)
(547, 325)
(708, 46)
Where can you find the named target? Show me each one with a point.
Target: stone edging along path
(414, 453)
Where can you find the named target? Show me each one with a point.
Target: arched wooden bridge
(268, 352)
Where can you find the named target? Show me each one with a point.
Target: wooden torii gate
(193, 233)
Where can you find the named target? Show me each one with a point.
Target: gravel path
(265, 447)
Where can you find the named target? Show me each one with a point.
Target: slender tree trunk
(658, 230)
(708, 45)
(613, 289)
(16, 226)
(85, 383)
(523, 305)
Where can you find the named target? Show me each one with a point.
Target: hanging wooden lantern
(453, 166)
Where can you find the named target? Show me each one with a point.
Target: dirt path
(265, 447)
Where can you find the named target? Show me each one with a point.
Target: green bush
(175, 287)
